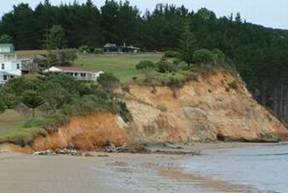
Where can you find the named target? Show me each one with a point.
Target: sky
(269, 13)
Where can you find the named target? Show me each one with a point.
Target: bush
(61, 57)
(171, 54)
(123, 111)
(145, 64)
(35, 122)
(162, 108)
(98, 51)
(65, 81)
(165, 66)
(233, 85)
(84, 49)
(175, 84)
(219, 56)
(108, 81)
(204, 56)
(2, 106)
(83, 106)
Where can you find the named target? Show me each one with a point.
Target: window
(83, 75)
(5, 77)
(2, 66)
(18, 66)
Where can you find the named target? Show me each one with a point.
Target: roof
(109, 45)
(70, 69)
(7, 48)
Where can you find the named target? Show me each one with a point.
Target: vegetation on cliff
(49, 101)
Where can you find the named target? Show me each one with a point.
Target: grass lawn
(11, 127)
(30, 53)
(11, 119)
(121, 65)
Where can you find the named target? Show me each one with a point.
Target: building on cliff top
(113, 48)
(10, 66)
(75, 72)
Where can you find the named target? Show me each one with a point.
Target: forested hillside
(260, 54)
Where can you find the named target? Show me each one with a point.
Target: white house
(77, 73)
(10, 65)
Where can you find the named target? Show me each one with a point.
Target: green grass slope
(121, 65)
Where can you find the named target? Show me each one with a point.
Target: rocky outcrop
(215, 107)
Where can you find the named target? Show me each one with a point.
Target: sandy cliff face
(216, 107)
(86, 133)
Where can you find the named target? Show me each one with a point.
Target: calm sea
(264, 168)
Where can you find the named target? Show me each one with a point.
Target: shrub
(87, 105)
(2, 106)
(165, 66)
(175, 84)
(219, 56)
(108, 81)
(55, 96)
(162, 108)
(233, 85)
(61, 57)
(84, 49)
(123, 111)
(35, 122)
(203, 56)
(65, 81)
(171, 54)
(145, 64)
(98, 51)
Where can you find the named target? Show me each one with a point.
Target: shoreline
(110, 172)
(164, 148)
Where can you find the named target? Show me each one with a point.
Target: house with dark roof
(77, 73)
(110, 47)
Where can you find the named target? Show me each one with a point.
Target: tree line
(258, 53)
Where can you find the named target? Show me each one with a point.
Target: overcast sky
(270, 13)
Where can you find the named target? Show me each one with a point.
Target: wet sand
(106, 173)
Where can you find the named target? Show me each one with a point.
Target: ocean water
(264, 168)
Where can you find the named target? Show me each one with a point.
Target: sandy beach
(109, 173)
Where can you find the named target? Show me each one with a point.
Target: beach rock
(58, 152)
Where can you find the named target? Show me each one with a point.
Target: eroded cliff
(216, 106)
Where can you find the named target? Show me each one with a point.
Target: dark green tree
(32, 100)
(55, 38)
(5, 38)
(188, 44)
